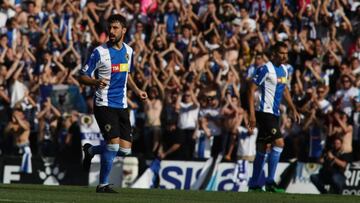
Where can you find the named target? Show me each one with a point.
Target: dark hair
(342, 77)
(31, 16)
(349, 118)
(187, 26)
(117, 18)
(31, 2)
(345, 62)
(220, 49)
(278, 45)
(261, 54)
(270, 20)
(3, 35)
(321, 86)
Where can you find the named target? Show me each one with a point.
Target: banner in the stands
(44, 171)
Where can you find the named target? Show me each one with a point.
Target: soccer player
(110, 64)
(271, 79)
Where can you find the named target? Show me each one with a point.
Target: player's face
(282, 55)
(258, 60)
(116, 32)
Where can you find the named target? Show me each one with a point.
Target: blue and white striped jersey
(290, 69)
(114, 65)
(271, 81)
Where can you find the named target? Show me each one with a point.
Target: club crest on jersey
(127, 57)
(117, 68)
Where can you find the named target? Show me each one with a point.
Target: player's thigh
(273, 126)
(124, 126)
(108, 122)
(264, 137)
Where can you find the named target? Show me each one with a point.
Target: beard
(116, 39)
(284, 61)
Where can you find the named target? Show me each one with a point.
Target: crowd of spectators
(195, 59)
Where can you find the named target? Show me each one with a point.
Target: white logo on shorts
(273, 131)
(107, 127)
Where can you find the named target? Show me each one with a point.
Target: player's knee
(114, 140)
(124, 151)
(279, 143)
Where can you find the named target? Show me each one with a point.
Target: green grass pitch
(61, 194)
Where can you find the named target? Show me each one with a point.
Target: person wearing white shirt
(347, 94)
(188, 107)
(210, 122)
(324, 105)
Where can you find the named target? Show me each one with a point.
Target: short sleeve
(290, 70)
(91, 66)
(260, 75)
(250, 72)
(289, 73)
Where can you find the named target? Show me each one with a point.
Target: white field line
(24, 201)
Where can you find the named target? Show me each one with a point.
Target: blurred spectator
(246, 143)
(346, 95)
(69, 138)
(341, 127)
(153, 108)
(48, 124)
(172, 140)
(334, 162)
(18, 132)
(210, 122)
(188, 108)
(233, 116)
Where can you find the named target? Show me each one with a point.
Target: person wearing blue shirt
(108, 69)
(271, 79)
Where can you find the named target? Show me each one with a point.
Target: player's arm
(99, 83)
(87, 71)
(136, 89)
(291, 104)
(86, 80)
(251, 93)
(140, 93)
(258, 79)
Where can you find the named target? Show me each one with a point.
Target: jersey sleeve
(250, 72)
(260, 75)
(289, 72)
(91, 64)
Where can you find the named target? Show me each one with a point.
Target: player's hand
(252, 123)
(102, 83)
(143, 95)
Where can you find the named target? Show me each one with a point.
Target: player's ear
(124, 31)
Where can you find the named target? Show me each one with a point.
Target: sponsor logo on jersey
(281, 80)
(117, 68)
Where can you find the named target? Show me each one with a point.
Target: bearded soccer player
(271, 79)
(108, 69)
